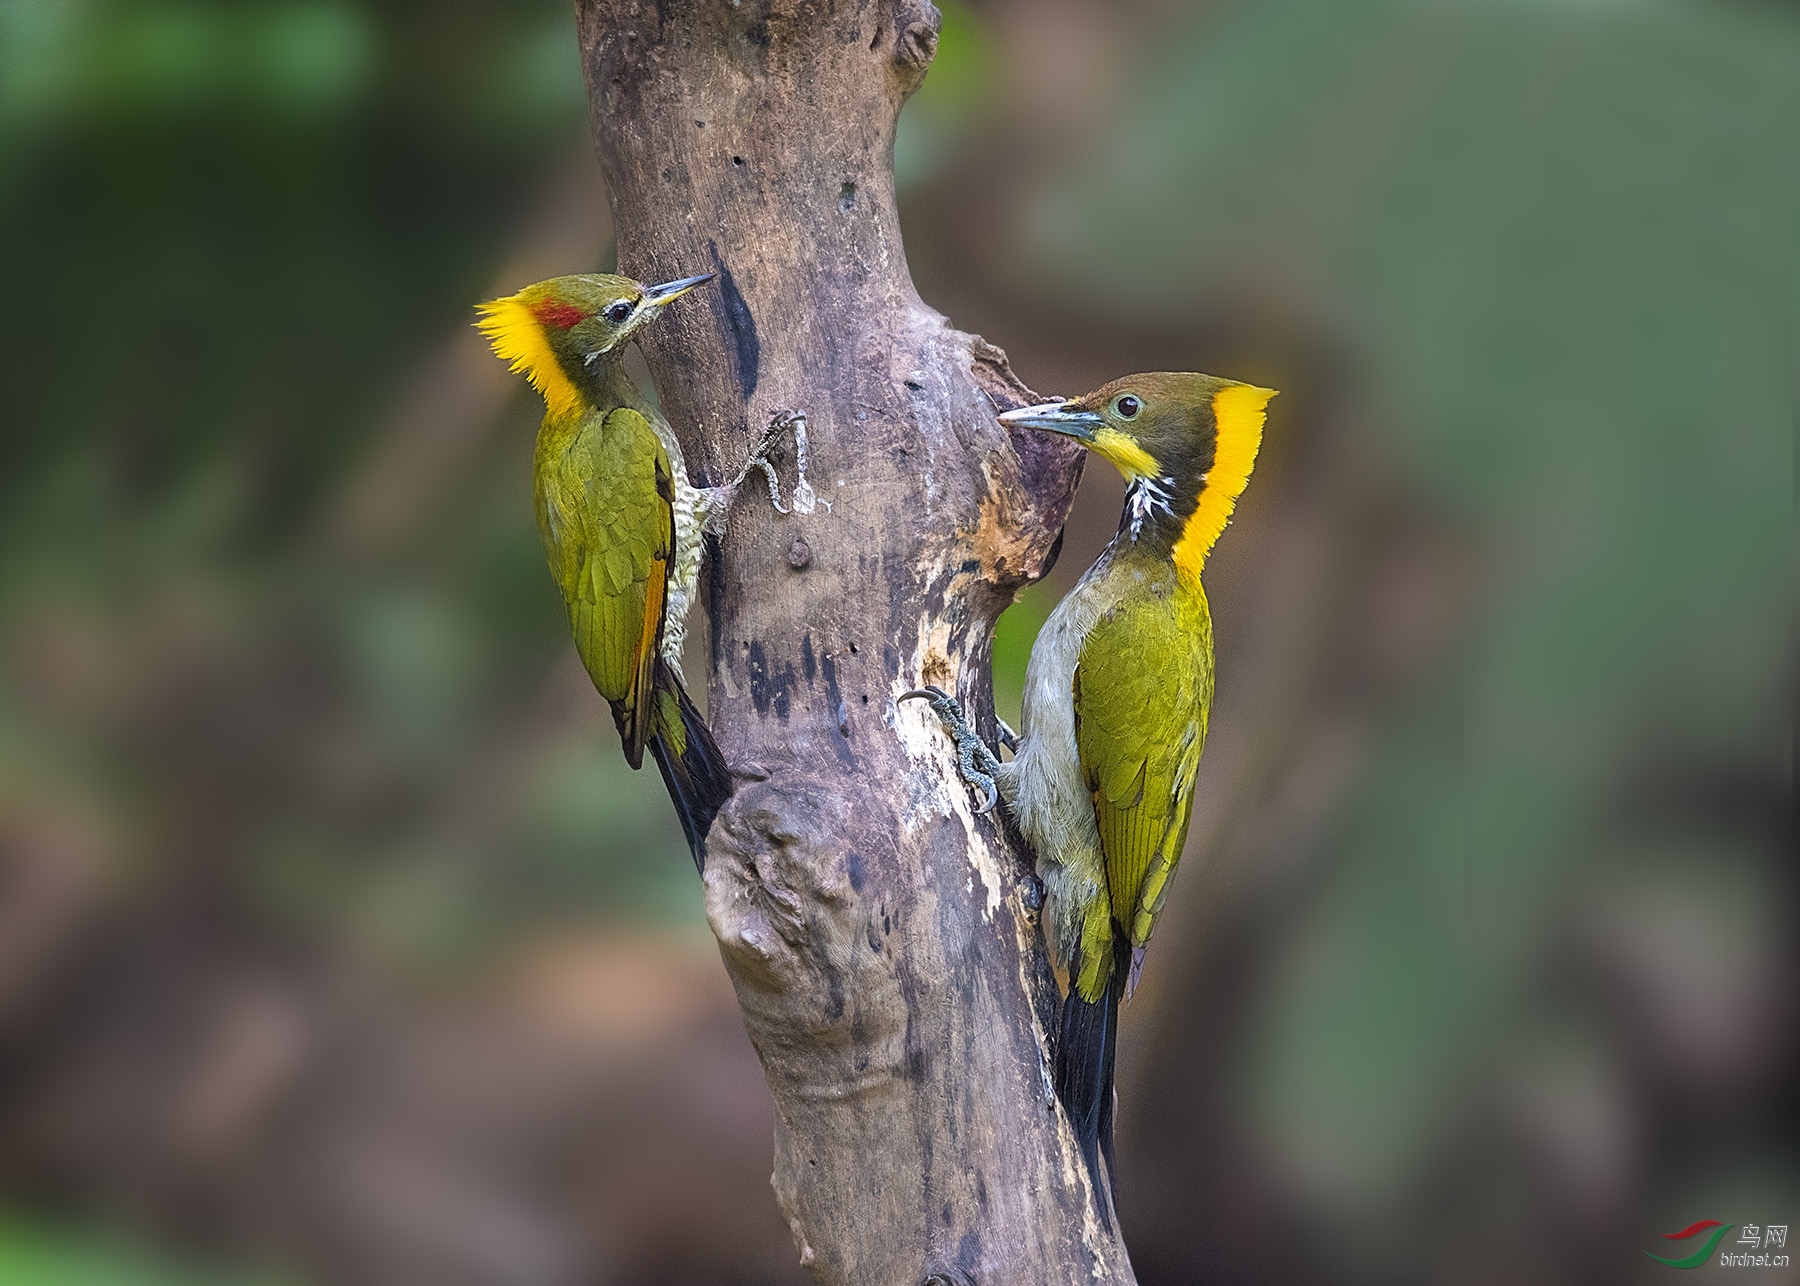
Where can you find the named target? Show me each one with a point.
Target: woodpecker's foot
(1008, 737)
(978, 764)
(759, 458)
(805, 500)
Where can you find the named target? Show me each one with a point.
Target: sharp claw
(926, 694)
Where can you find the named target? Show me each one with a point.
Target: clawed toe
(804, 499)
(1008, 737)
(976, 762)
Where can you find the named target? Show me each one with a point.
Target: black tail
(1084, 1071)
(699, 782)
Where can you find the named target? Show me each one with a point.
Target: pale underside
(692, 506)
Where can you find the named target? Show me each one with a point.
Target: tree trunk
(879, 935)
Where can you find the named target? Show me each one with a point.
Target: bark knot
(915, 43)
(778, 880)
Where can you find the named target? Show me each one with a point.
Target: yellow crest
(518, 338)
(1238, 414)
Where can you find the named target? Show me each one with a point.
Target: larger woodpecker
(621, 524)
(1117, 695)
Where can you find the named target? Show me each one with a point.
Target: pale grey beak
(657, 296)
(1061, 416)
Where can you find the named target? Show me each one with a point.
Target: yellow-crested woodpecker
(1117, 695)
(621, 523)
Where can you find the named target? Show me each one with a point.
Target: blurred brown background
(337, 945)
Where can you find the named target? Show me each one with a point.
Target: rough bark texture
(877, 933)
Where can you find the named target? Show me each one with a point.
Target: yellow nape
(518, 338)
(1238, 414)
(1124, 454)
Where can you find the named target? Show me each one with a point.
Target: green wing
(608, 523)
(1143, 688)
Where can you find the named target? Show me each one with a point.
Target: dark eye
(619, 312)
(1128, 406)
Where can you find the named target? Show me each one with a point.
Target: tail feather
(1088, 1041)
(692, 767)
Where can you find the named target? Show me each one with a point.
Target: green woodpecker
(1117, 694)
(621, 523)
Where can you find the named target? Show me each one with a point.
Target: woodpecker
(622, 525)
(1117, 695)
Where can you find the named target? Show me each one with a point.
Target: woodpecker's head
(556, 331)
(1185, 443)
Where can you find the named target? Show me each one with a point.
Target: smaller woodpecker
(1117, 694)
(620, 521)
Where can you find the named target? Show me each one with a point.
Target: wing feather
(609, 529)
(1144, 685)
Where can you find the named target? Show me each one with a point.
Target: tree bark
(878, 934)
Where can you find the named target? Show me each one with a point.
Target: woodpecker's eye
(619, 312)
(1128, 406)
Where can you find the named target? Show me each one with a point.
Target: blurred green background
(338, 945)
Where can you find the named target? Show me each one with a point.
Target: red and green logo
(1700, 1256)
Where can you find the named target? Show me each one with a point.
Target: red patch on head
(560, 315)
